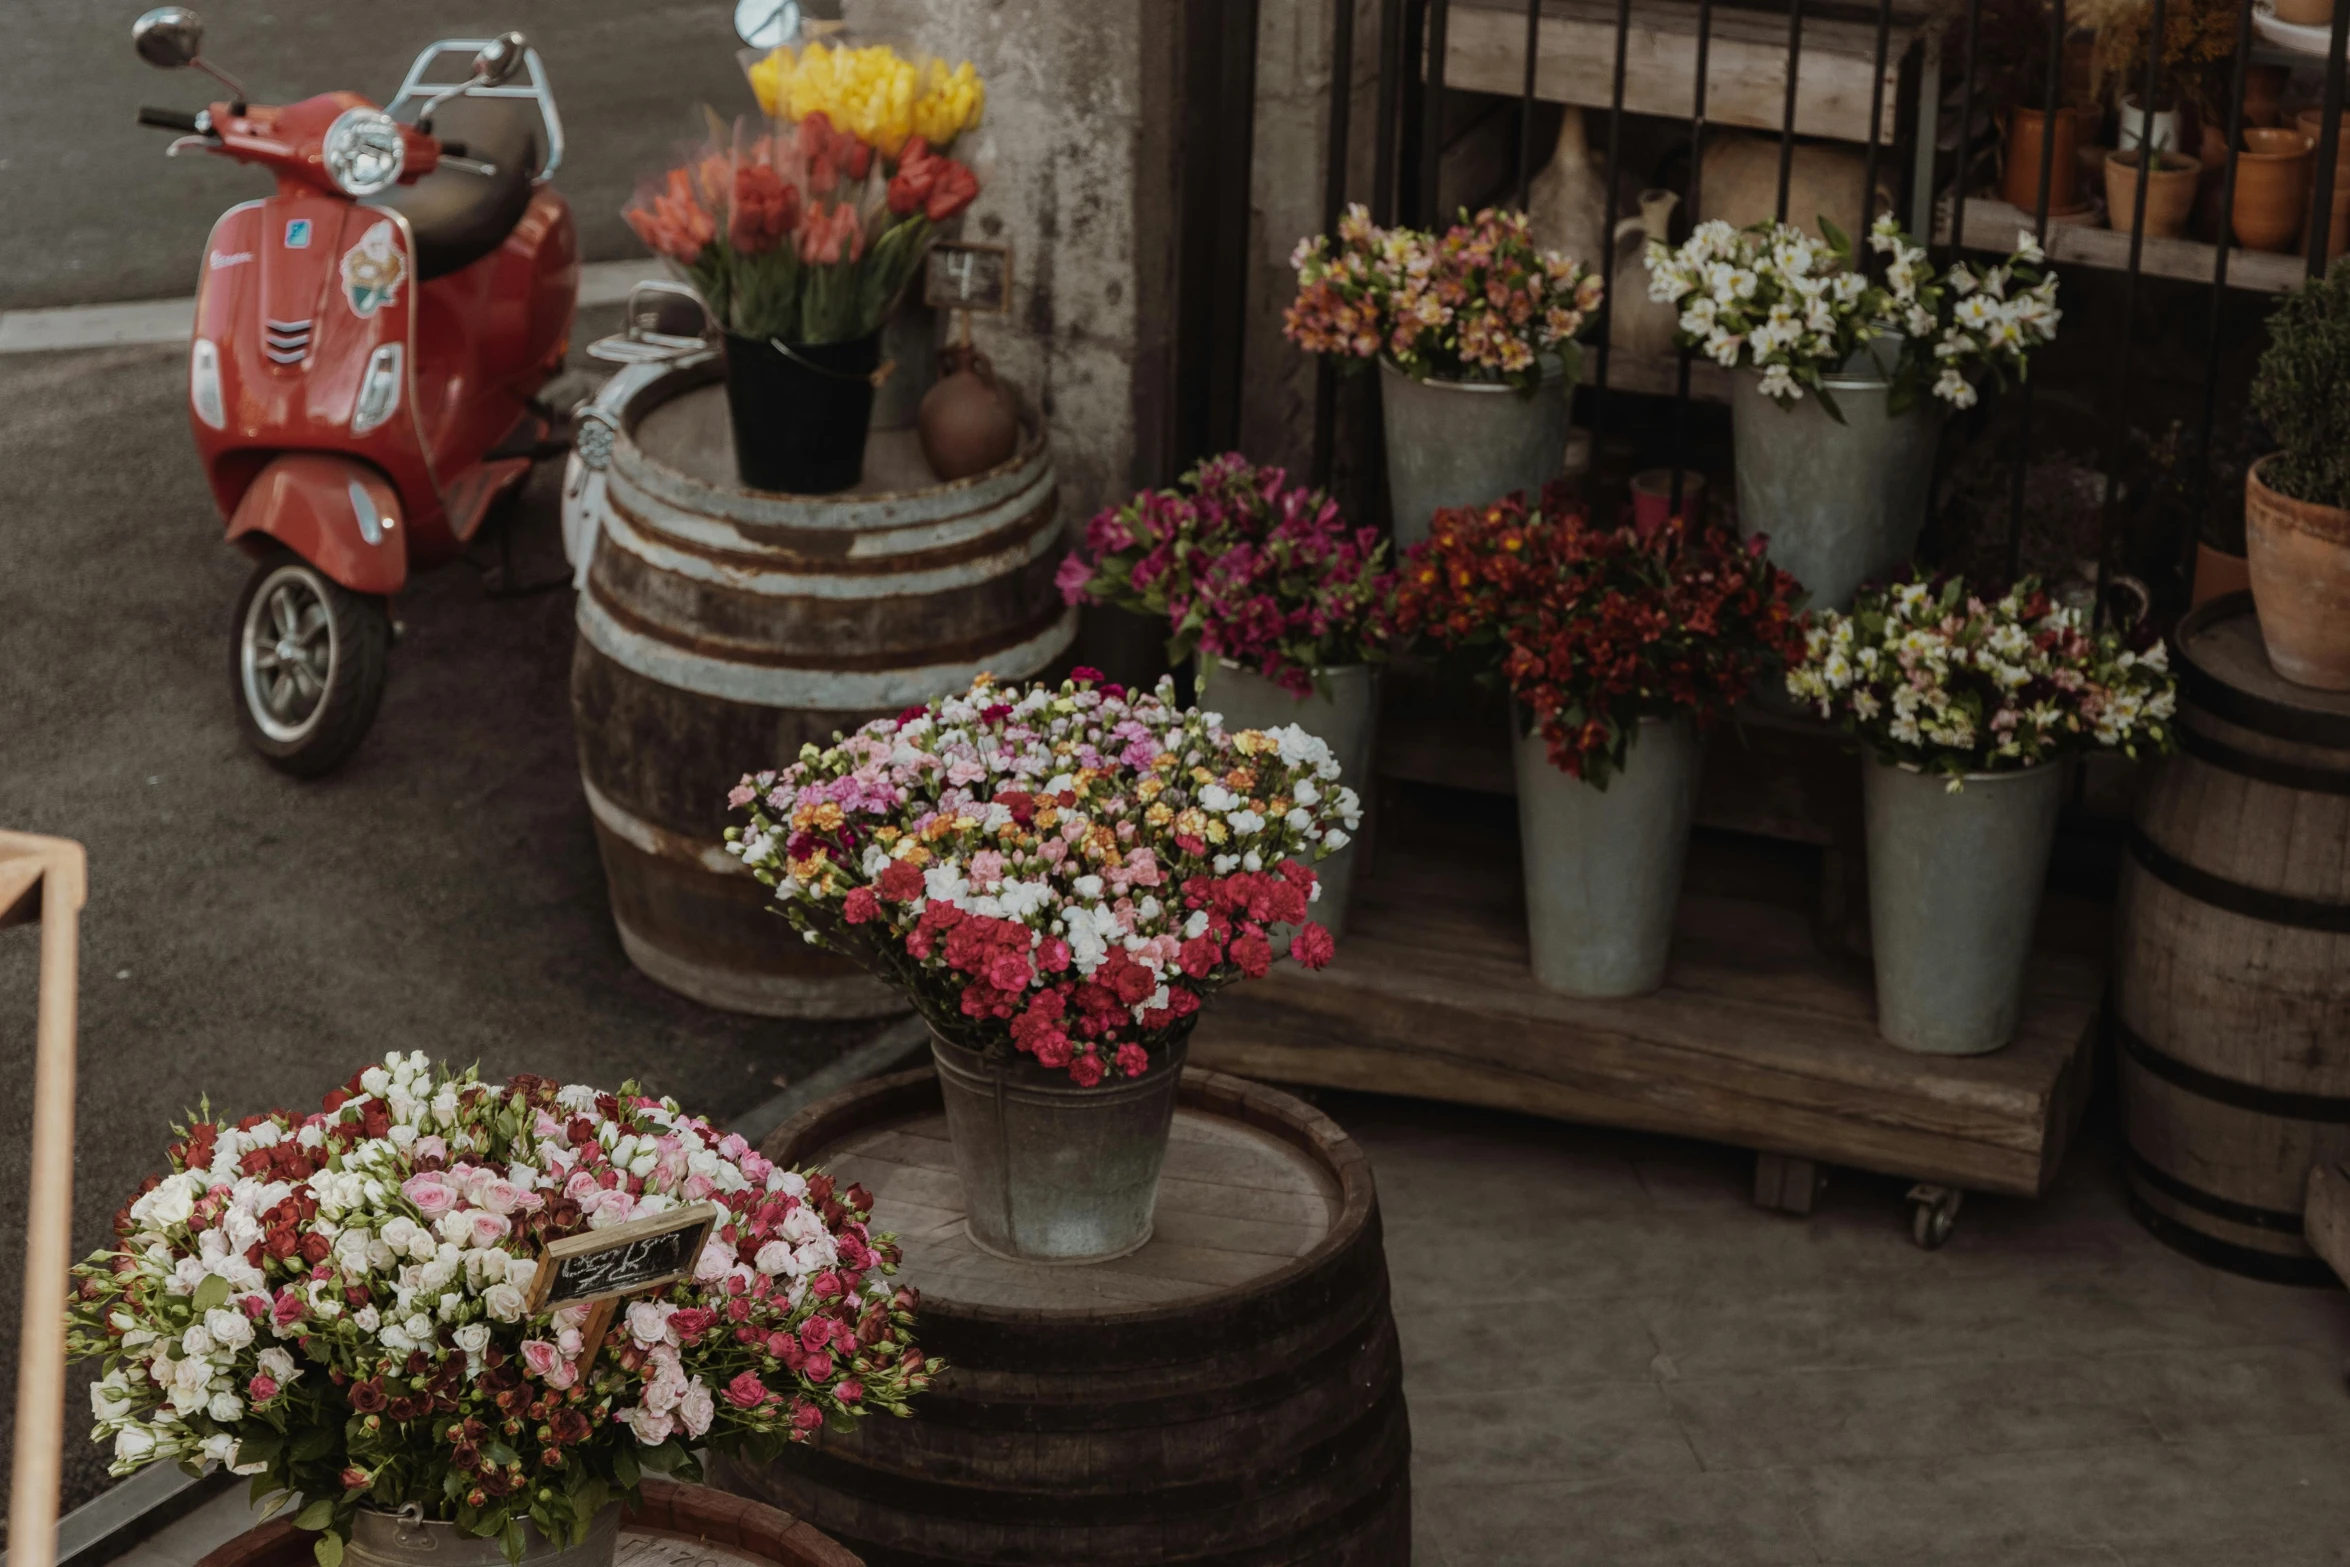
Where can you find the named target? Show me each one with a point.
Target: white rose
(232, 1328)
(109, 1402)
(474, 1337)
(398, 1232)
(367, 1319)
(279, 1364)
(225, 1408)
(801, 1225)
(196, 1342)
(774, 1257)
(503, 1302)
(133, 1445)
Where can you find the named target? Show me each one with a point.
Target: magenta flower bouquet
(1244, 566)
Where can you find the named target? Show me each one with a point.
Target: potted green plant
(1835, 425)
(1965, 706)
(1474, 330)
(1283, 607)
(345, 1306)
(1619, 648)
(2297, 498)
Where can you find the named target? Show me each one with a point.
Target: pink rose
(539, 1356)
(806, 1416)
(746, 1391)
(431, 1197)
(500, 1196)
(489, 1228)
(289, 1308)
(262, 1388)
(429, 1148)
(819, 1365)
(849, 1390)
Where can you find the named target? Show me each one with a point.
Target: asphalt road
(254, 938)
(96, 213)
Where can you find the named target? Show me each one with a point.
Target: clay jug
(1567, 200)
(966, 423)
(1637, 324)
(1742, 184)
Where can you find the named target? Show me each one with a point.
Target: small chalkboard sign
(968, 277)
(627, 1259)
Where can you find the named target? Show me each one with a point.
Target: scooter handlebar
(170, 120)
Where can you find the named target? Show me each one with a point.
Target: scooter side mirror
(767, 24)
(500, 59)
(169, 37)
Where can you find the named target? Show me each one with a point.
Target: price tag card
(627, 1259)
(968, 277)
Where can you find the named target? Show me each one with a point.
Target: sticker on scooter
(297, 233)
(372, 270)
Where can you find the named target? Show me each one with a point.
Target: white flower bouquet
(336, 1304)
(1794, 309)
(1933, 677)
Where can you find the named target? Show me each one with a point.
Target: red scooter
(369, 342)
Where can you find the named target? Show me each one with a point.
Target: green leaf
(260, 1447)
(328, 1548)
(502, 1455)
(213, 1292)
(625, 1468)
(315, 1443)
(317, 1515)
(666, 1457)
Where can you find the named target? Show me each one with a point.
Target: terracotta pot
(2312, 124)
(2264, 94)
(2021, 184)
(966, 423)
(2305, 13)
(2170, 193)
(2298, 556)
(2272, 189)
(2218, 572)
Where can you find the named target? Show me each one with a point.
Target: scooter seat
(458, 216)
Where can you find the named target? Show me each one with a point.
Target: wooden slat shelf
(1992, 225)
(1746, 65)
(1658, 375)
(1758, 1038)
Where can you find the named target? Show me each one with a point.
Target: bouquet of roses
(1591, 628)
(336, 1303)
(1479, 303)
(1932, 676)
(1069, 872)
(1246, 566)
(803, 232)
(1793, 308)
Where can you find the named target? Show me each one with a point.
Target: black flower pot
(800, 411)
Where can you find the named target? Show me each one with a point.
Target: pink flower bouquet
(1069, 873)
(1245, 566)
(338, 1304)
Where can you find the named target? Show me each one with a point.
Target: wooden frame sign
(627, 1259)
(959, 276)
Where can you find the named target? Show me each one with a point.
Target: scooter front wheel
(306, 662)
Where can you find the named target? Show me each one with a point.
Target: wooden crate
(1759, 1038)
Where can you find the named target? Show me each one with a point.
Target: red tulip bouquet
(1593, 629)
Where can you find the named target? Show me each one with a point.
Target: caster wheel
(306, 664)
(1936, 1214)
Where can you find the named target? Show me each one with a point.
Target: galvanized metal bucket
(1841, 503)
(1052, 1172)
(1346, 721)
(1465, 443)
(1603, 867)
(404, 1539)
(1954, 894)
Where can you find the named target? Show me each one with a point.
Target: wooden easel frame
(45, 880)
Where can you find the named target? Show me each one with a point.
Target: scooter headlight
(364, 152)
(379, 389)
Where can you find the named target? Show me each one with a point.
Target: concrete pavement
(96, 213)
(252, 937)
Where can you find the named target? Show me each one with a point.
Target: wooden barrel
(721, 628)
(2232, 967)
(671, 1526)
(1229, 1394)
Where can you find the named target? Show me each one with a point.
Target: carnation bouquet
(1245, 566)
(1934, 677)
(807, 228)
(1478, 303)
(1593, 629)
(1794, 309)
(338, 1305)
(1066, 872)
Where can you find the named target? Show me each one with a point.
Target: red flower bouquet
(1244, 566)
(1594, 628)
(801, 232)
